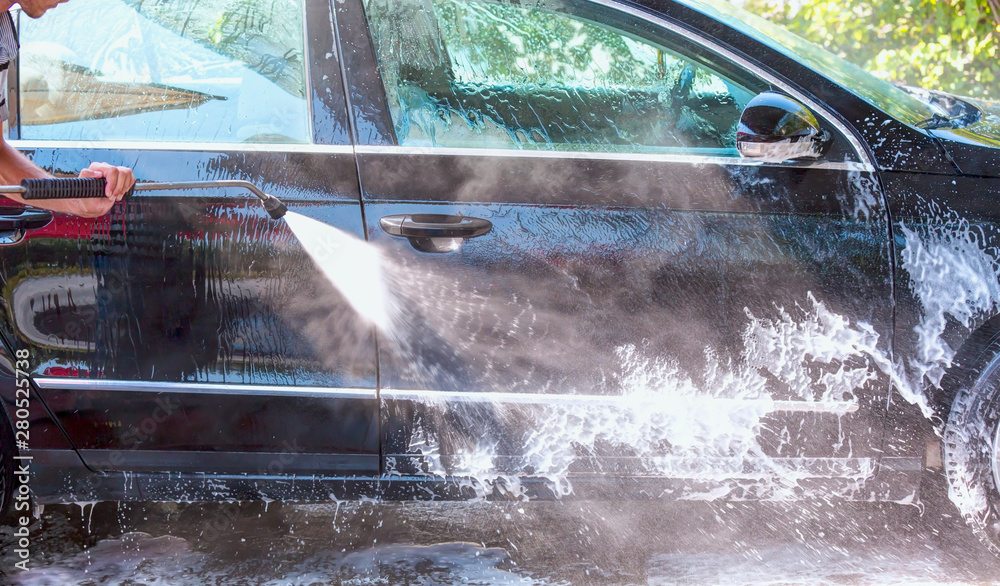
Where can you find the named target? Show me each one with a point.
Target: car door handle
(435, 226)
(14, 222)
(435, 232)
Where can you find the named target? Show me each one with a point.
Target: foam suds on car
(702, 427)
(679, 423)
(953, 274)
(706, 424)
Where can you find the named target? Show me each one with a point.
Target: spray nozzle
(274, 206)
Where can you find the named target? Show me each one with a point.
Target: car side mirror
(775, 128)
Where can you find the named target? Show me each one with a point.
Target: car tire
(7, 453)
(971, 455)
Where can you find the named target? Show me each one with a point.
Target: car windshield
(881, 94)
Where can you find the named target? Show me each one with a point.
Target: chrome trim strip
(439, 397)
(138, 145)
(868, 163)
(586, 155)
(76, 384)
(423, 396)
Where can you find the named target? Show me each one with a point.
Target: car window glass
(171, 70)
(471, 73)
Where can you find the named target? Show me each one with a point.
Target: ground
(560, 542)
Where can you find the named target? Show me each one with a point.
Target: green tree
(951, 45)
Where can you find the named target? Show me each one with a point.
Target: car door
(186, 331)
(588, 279)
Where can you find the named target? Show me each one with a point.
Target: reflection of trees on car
(265, 36)
(53, 91)
(521, 46)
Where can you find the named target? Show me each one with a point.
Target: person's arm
(14, 167)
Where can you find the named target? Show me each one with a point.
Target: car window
(171, 70)
(474, 73)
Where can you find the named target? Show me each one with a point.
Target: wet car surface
(676, 256)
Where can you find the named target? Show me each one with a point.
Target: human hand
(119, 181)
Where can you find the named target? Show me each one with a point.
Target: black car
(575, 248)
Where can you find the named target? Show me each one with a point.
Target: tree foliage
(951, 45)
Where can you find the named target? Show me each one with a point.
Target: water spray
(93, 187)
(350, 264)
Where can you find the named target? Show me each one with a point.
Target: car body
(649, 313)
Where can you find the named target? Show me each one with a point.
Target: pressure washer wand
(93, 187)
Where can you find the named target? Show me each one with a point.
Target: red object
(66, 372)
(64, 226)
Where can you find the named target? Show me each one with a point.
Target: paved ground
(497, 543)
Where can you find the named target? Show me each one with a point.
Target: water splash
(706, 424)
(138, 558)
(797, 564)
(668, 421)
(352, 266)
(134, 558)
(954, 276)
(83, 511)
(667, 417)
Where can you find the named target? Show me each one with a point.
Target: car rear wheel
(971, 446)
